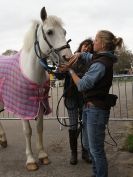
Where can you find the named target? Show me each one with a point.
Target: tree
(9, 52)
(125, 61)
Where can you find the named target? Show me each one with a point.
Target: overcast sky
(82, 19)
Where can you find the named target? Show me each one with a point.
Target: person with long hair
(74, 104)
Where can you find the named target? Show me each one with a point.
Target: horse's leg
(30, 163)
(3, 140)
(42, 155)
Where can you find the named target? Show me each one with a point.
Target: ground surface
(12, 159)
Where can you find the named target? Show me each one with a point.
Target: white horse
(45, 39)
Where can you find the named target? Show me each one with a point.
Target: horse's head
(51, 37)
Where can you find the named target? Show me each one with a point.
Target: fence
(122, 86)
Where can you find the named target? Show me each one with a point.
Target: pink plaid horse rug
(18, 94)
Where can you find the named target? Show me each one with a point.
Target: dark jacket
(97, 95)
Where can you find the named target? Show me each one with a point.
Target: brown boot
(73, 146)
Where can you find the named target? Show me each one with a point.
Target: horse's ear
(43, 14)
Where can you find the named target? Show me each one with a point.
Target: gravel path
(12, 159)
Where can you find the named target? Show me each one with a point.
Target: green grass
(129, 143)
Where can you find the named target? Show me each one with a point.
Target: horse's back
(8, 58)
(19, 94)
(5, 68)
(6, 62)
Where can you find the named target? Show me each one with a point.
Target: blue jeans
(94, 125)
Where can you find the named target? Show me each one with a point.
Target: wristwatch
(71, 71)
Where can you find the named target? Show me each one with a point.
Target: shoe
(85, 156)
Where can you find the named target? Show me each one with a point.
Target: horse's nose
(65, 58)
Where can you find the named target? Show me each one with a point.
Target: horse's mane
(30, 35)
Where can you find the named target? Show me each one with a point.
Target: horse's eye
(49, 32)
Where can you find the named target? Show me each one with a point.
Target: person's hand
(72, 60)
(63, 68)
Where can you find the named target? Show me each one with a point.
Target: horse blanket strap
(20, 95)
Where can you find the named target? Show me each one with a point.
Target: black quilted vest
(102, 87)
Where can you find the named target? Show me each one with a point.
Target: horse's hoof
(32, 166)
(45, 161)
(3, 144)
